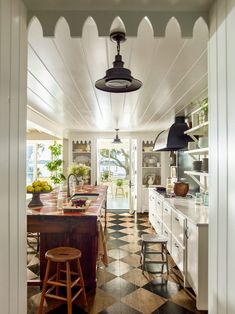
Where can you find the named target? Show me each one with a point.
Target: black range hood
(174, 138)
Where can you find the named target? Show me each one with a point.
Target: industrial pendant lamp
(117, 139)
(118, 79)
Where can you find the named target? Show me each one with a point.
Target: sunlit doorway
(114, 170)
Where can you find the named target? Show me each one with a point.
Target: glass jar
(206, 199)
(169, 185)
(198, 199)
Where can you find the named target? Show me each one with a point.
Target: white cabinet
(151, 165)
(187, 244)
(81, 151)
(179, 227)
(179, 255)
(144, 199)
(167, 233)
(197, 262)
(166, 216)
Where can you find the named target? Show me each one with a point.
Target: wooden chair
(60, 256)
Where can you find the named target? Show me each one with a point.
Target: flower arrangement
(80, 170)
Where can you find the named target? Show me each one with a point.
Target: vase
(35, 201)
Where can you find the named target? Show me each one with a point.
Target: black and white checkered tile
(122, 287)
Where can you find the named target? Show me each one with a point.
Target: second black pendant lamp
(117, 139)
(118, 79)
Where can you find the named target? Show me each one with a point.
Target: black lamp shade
(118, 79)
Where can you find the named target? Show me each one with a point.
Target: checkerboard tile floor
(121, 287)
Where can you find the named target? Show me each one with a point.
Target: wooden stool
(149, 239)
(119, 191)
(63, 255)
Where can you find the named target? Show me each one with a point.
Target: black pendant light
(118, 79)
(117, 139)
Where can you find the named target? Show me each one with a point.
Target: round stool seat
(63, 254)
(154, 238)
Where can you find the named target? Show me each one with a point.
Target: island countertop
(74, 229)
(50, 203)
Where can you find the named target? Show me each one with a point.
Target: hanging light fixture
(117, 139)
(118, 79)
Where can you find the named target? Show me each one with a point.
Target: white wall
(13, 44)
(221, 155)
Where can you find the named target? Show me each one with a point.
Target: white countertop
(197, 214)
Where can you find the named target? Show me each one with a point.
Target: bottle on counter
(169, 185)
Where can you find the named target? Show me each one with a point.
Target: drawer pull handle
(177, 219)
(176, 245)
(166, 209)
(158, 203)
(166, 232)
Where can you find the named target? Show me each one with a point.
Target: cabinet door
(166, 216)
(152, 199)
(159, 206)
(178, 226)
(178, 254)
(192, 256)
(158, 224)
(144, 199)
(166, 232)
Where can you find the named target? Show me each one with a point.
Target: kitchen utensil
(203, 142)
(197, 165)
(205, 164)
(181, 188)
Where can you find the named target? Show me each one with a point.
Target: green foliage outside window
(55, 165)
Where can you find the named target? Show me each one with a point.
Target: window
(38, 154)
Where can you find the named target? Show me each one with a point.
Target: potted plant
(80, 170)
(55, 165)
(119, 182)
(105, 175)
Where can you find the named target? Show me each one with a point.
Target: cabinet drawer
(167, 233)
(178, 254)
(166, 216)
(151, 216)
(158, 225)
(178, 227)
(159, 207)
(152, 199)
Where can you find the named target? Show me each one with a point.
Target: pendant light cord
(118, 47)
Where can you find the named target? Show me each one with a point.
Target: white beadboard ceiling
(62, 72)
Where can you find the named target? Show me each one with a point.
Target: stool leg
(57, 277)
(167, 265)
(68, 287)
(84, 299)
(141, 253)
(44, 287)
(144, 255)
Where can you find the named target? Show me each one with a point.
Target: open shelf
(196, 173)
(198, 151)
(198, 130)
(149, 167)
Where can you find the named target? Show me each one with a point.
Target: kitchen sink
(84, 196)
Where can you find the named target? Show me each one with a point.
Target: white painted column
(13, 70)
(221, 54)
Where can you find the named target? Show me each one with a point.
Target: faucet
(78, 179)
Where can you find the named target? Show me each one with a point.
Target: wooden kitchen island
(75, 229)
